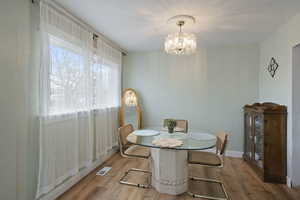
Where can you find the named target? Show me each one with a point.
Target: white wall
(208, 88)
(14, 66)
(279, 89)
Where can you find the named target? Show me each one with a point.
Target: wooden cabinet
(265, 127)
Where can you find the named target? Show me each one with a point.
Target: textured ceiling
(138, 25)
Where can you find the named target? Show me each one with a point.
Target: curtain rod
(77, 20)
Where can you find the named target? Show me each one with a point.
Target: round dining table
(169, 165)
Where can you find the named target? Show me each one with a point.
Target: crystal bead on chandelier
(181, 43)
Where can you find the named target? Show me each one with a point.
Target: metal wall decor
(273, 66)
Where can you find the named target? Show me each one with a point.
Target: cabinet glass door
(258, 140)
(248, 135)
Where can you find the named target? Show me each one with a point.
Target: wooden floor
(240, 182)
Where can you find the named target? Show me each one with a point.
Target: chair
(128, 150)
(209, 159)
(181, 126)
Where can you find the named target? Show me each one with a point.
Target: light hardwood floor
(241, 183)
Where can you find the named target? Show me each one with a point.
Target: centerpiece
(171, 124)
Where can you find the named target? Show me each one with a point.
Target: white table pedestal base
(169, 171)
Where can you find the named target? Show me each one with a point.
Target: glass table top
(190, 142)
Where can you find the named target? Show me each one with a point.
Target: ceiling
(140, 25)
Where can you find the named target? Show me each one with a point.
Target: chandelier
(181, 43)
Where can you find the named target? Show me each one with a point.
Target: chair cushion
(204, 158)
(137, 151)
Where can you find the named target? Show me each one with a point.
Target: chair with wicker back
(132, 151)
(181, 125)
(210, 159)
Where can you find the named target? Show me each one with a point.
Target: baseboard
(59, 190)
(289, 182)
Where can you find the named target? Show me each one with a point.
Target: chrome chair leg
(206, 196)
(136, 184)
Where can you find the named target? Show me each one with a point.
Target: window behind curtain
(106, 80)
(75, 86)
(68, 78)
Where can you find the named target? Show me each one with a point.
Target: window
(105, 84)
(67, 78)
(78, 84)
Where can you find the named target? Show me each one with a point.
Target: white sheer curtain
(79, 98)
(107, 94)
